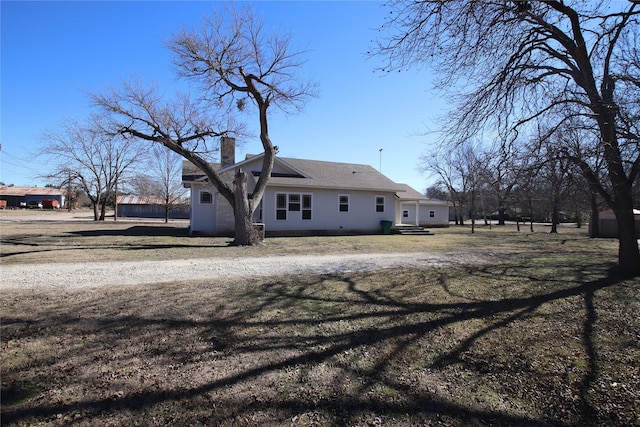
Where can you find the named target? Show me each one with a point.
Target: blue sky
(53, 53)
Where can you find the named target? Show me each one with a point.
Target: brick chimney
(227, 151)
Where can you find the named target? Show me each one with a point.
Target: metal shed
(151, 207)
(24, 196)
(609, 227)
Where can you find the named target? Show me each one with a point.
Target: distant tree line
(494, 183)
(552, 84)
(95, 166)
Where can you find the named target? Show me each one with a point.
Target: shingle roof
(347, 176)
(317, 174)
(191, 172)
(412, 194)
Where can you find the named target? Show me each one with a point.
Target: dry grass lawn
(548, 335)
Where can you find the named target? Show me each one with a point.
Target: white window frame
(294, 202)
(298, 205)
(405, 213)
(432, 214)
(200, 197)
(340, 204)
(378, 204)
(281, 208)
(304, 209)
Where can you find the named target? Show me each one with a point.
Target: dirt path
(99, 274)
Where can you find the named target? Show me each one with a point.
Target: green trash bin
(386, 227)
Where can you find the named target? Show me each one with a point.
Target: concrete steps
(412, 230)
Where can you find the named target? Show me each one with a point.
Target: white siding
(215, 218)
(324, 193)
(326, 215)
(423, 211)
(440, 212)
(203, 216)
(410, 208)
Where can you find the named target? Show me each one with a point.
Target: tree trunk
(455, 212)
(501, 216)
(628, 254)
(594, 221)
(554, 218)
(530, 200)
(103, 210)
(472, 212)
(578, 219)
(245, 232)
(95, 211)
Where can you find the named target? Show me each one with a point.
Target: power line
(23, 163)
(23, 167)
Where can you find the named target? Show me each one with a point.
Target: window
(344, 203)
(294, 203)
(379, 203)
(432, 214)
(281, 206)
(405, 214)
(206, 198)
(306, 206)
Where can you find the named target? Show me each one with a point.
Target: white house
(414, 208)
(310, 197)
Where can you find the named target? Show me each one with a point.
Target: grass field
(546, 335)
(84, 240)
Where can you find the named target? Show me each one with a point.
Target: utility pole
(69, 192)
(115, 200)
(380, 168)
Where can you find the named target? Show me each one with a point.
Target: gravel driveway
(99, 274)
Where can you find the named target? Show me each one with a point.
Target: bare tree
(503, 174)
(183, 125)
(469, 162)
(556, 172)
(461, 171)
(579, 141)
(441, 164)
(436, 191)
(523, 61)
(83, 153)
(162, 179)
(530, 195)
(235, 63)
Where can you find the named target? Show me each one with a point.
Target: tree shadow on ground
(43, 243)
(137, 230)
(401, 348)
